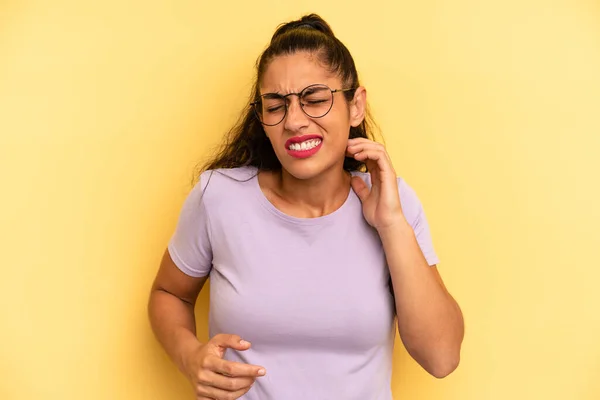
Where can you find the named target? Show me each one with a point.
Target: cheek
(338, 125)
(337, 138)
(271, 133)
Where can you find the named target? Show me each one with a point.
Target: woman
(313, 263)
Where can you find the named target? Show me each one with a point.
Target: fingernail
(261, 371)
(244, 343)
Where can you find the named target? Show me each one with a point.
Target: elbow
(443, 367)
(437, 362)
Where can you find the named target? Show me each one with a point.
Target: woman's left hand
(381, 204)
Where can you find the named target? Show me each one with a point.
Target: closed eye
(274, 109)
(315, 101)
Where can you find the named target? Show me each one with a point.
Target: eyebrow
(278, 94)
(271, 95)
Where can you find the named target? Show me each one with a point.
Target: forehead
(294, 72)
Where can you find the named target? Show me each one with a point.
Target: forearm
(429, 320)
(173, 324)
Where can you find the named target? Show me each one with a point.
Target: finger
(372, 159)
(360, 140)
(363, 142)
(379, 158)
(235, 369)
(230, 341)
(355, 147)
(360, 188)
(219, 381)
(220, 394)
(366, 148)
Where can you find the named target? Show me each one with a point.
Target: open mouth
(309, 144)
(303, 146)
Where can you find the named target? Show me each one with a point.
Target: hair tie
(305, 25)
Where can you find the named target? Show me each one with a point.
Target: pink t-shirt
(311, 294)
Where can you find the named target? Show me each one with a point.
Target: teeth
(307, 145)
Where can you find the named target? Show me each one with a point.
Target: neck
(320, 195)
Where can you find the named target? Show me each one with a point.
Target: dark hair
(246, 143)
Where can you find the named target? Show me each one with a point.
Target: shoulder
(225, 178)
(411, 204)
(220, 184)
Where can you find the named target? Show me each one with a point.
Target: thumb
(227, 341)
(360, 188)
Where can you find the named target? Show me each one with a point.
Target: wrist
(187, 345)
(398, 226)
(395, 231)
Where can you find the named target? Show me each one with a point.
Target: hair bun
(311, 21)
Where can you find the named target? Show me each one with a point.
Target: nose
(295, 118)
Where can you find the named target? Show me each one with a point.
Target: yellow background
(490, 110)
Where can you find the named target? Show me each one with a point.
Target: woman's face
(307, 146)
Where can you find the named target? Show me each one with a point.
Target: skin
(298, 189)
(429, 320)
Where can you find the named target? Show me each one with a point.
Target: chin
(302, 172)
(306, 169)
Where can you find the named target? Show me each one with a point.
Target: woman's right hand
(214, 378)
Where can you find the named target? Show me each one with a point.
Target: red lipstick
(303, 146)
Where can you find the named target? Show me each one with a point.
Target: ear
(358, 107)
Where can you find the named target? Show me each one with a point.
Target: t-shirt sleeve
(189, 245)
(415, 215)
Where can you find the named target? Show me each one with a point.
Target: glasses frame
(258, 102)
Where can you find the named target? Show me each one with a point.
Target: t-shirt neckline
(264, 201)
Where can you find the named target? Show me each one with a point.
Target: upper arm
(190, 248)
(172, 280)
(415, 215)
(436, 273)
(187, 261)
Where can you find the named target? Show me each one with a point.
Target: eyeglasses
(315, 100)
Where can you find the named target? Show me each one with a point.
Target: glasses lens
(317, 100)
(271, 109)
